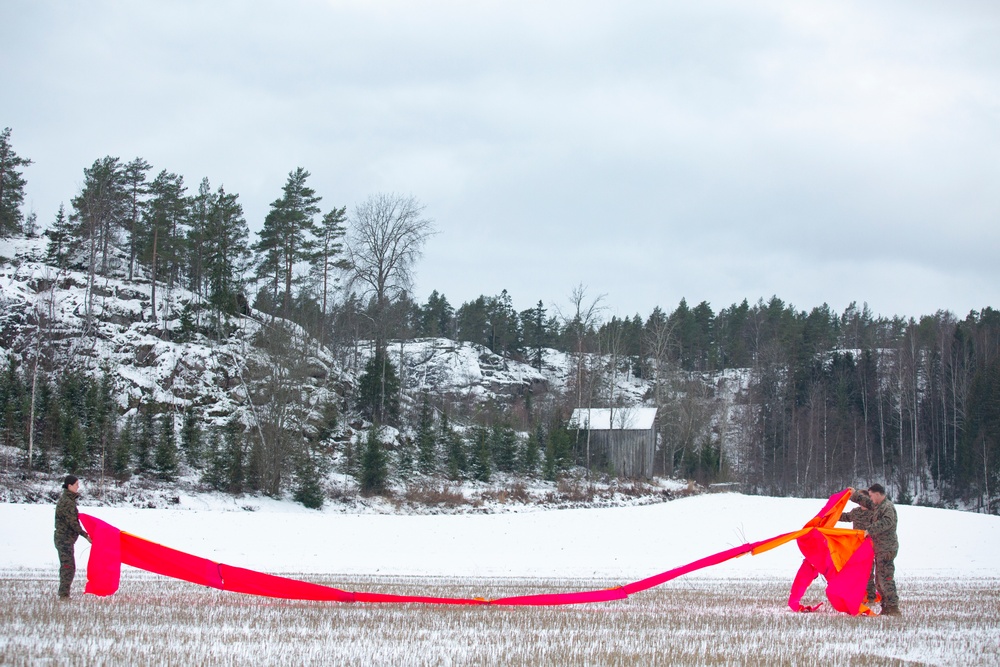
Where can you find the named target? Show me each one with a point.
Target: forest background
(822, 399)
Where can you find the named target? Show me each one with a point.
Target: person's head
(877, 493)
(71, 483)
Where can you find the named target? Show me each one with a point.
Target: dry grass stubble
(695, 621)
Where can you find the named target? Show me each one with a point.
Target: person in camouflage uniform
(68, 528)
(861, 519)
(882, 530)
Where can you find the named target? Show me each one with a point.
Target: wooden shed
(622, 440)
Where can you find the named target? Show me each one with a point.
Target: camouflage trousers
(67, 566)
(871, 590)
(885, 575)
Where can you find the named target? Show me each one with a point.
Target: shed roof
(625, 419)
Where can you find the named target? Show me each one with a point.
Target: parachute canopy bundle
(843, 556)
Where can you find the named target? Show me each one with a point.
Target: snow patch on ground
(619, 544)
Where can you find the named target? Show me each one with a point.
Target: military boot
(889, 610)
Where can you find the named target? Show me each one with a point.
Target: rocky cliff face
(62, 319)
(107, 326)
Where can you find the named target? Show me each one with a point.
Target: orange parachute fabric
(112, 548)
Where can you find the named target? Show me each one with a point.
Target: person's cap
(69, 481)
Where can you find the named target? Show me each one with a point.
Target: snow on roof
(600, 419)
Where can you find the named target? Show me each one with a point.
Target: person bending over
(882, 530)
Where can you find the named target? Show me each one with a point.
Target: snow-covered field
(616, 544)
(948, 573)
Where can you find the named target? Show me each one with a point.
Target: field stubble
(687, 622)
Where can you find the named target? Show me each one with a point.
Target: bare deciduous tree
(581, 321)
(386, 236)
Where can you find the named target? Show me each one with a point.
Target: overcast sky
(817, 151)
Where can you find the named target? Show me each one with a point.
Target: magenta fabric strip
(111, 548)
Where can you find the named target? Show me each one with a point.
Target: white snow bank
(619, 544)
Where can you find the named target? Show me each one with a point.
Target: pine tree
(378, 389)
(215, 473)
(123, 451)
(45, 435)
(308, 490)
(482, 468)
(436, 317)
(166, 215)
(233, 456)
(404, 459)
(328, 256)
(472, 322)
(136, 188)
(533, 450)
(199, 226)
(99, 212)
(503, 445)
(63, 243)
(187, 328)
(374, 470)
(30, 226)
(99, 419)
(166, 449)
(426, 443)
(74, 445)
(11, 186)
(72, 399)
(191, 437)
(550, 466)
(49, 420)
(287, 237)
(226, 253)
(456, 461)
(145, 442)
(558, 450)
(536, 335)
(14, 394)
(504, 327)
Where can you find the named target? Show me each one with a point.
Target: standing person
(861, 519)
(883, 533)
(68, 528)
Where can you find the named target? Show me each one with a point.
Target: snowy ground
(948, 574)
(613, 544)
(721, 621)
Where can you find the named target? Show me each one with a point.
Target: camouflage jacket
(883, 522)
(68, 526)
(860, 518)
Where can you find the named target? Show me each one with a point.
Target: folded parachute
(841, 556)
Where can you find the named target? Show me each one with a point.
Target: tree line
(826, 399)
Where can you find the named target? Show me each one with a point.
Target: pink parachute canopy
(837, 554)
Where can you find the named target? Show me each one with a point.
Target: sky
(823, 152)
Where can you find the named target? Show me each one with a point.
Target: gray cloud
(823, 152)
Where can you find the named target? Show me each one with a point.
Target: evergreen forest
(822, 399)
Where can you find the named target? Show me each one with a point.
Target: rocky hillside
(44, 311)
(247, 365)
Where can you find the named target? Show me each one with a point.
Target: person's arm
(885, 523)
(75, 525)
(861, 498)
